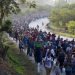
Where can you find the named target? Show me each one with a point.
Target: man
(61, 58)
(21, 46)
(38, 54)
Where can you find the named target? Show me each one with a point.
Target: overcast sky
(51, 2)
(45, 2)
(48, 2)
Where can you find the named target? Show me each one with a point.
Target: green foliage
(59, 31)
(71, 26)
(60, 16)
(13, 57)
(6, 26)
(7, 7)
(60, 3)
(18, 62)
(22, 1)
(33, 5)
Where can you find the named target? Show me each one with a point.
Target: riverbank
(18, 64)
(44, 27)
(58, 31)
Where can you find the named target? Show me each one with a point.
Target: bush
(71, 26)
(6, 26)
(18, 62)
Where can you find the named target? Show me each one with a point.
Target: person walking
(68, 65)
(21, 46)
(48, 62)
(61, 58)
(73, 65)
(38, 54)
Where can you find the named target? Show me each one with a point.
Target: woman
(48, 63)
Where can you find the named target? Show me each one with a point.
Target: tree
(33, 4)
(63, 14)
(60, 3)
(7, 7)
(71, 26)
(22, 1)
(6, 26)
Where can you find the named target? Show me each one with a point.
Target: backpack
(37, 45)
(48, 63)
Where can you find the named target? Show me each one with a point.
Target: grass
(59, 32)
(18, 62)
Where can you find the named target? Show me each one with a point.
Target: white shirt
(48, 62)
(52, 52)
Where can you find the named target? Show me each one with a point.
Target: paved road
(43, 28)
(42, 69)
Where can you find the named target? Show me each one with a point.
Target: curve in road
(45, 21)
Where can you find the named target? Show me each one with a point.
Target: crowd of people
(54, 53)
(48, 50)
(21, 22)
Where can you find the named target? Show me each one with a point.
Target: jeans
(68, 71)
